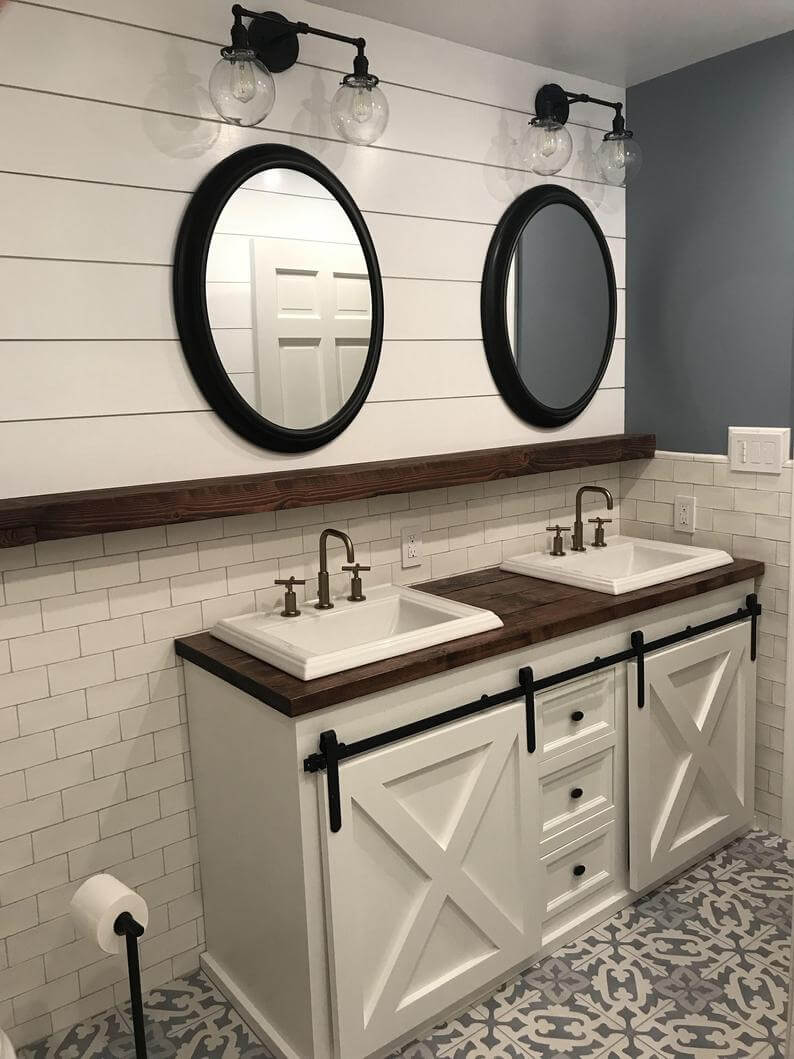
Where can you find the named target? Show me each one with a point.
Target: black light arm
(298, 27)
(274, 38)
(552, 101)
(618, 122)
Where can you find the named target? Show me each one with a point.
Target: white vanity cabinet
(463, 851)
(432, 881)
(691, 751)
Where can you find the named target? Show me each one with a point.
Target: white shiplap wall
(105, 136)
(106, 131)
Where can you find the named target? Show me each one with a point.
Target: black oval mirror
(548, 306)
(278, 298)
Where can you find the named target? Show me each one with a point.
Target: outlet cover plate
(761, 450)
(684, 511)
(412, 547)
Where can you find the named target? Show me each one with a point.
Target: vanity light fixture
(547, 145)
(242, 87)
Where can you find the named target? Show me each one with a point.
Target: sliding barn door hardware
(332, 752)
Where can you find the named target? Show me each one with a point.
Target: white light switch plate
(684, 511)
(413, 547)
(762, 450)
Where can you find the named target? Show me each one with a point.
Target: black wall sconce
(548, 145)
(242, 87)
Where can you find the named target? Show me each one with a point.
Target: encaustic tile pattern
(697, 968)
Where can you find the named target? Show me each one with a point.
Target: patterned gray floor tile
(754, 993)
(688, 1035)
(573, 1029)
(489, 1042)
(179, 1003)
(625, 922)
(720, 865)
(698, 968)
(629, 1048)
(223, 1035)
(106, 1035)
(731, 912)
(516, 991)
(581, 949)
(685, 946)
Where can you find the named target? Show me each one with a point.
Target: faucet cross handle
(356, 592)
(599, 540)
(558, 530)
(290, 599)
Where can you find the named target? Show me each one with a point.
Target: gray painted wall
(710, 252)
(562, 306)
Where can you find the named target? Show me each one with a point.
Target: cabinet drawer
(576, 792)
(577, 712)
(575, 872)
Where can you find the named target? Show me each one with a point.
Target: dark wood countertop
(532, 611)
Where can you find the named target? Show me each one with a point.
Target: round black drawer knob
(577, 716)
(577, 792)
(579, 870)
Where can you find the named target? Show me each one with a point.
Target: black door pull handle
(577, 792)
(577, 716)
(579, 870)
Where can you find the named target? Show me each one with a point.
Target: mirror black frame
(190, 297)
(493, 306)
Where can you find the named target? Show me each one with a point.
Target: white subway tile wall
(94, 755)
(748, 515)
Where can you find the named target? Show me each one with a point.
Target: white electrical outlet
(413, 547)
(684, 514)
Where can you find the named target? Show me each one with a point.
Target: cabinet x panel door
(691, 752)
(433, 881)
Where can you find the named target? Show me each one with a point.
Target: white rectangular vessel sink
(391, 621)
(626, 564)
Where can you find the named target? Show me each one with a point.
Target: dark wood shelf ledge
(26, 520)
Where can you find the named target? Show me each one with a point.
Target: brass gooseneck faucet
(577, 544)
(324, 590)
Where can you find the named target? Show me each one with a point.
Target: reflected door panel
(312, 322)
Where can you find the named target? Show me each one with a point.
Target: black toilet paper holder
(128, 927)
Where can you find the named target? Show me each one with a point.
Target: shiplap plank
(47, 217)
(49, 380)
(95, 141)
(70, 454)
(90, 300)
(53, 380)
(398, 55)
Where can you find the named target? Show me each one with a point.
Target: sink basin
(626, 564)
(391, 621)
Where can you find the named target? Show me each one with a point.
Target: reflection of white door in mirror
(312, 317)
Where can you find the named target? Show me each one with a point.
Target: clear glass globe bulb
(242, 89)
(619, 158)
(547, 146)
(359, 110)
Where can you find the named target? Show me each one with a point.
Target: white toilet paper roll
(97, 905)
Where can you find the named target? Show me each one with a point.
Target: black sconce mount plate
(276, 47)
(552, 98)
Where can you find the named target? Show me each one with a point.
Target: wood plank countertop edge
(532, 610)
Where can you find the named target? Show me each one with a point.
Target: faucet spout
(577, 544)
(324, 588)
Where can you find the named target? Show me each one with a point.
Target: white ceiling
(621, 42)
